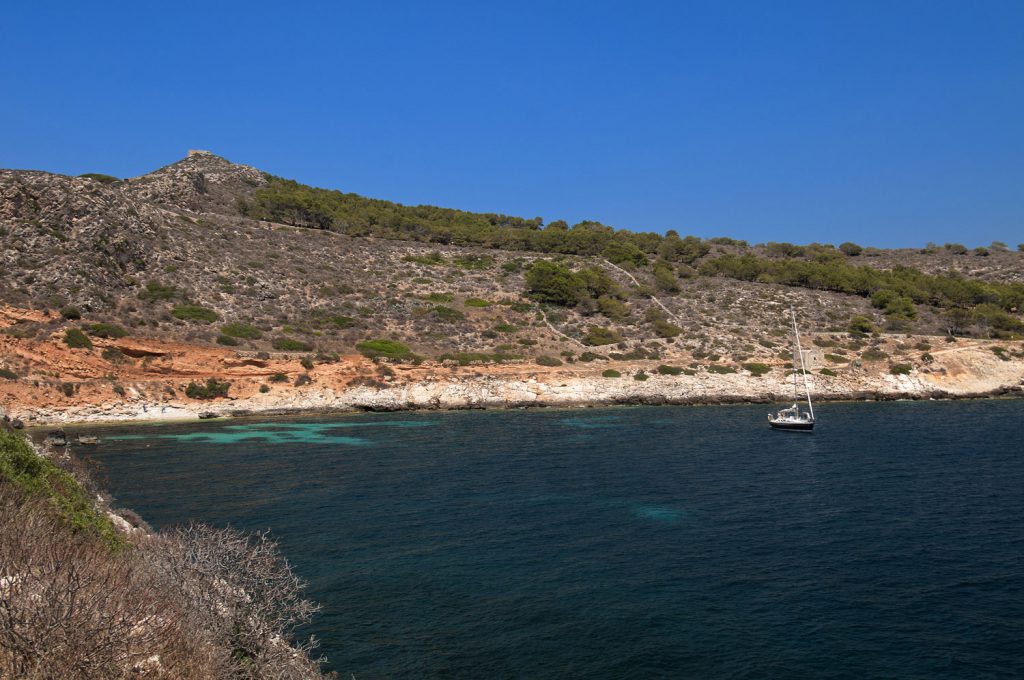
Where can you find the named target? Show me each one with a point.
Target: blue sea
(633, 542)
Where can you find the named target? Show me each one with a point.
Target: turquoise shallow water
(688, 542)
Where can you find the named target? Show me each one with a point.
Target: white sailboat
(793, 418)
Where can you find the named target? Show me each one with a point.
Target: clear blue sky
(886, 123)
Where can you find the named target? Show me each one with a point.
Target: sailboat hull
(794, 427)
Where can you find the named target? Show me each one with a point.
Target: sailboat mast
(803, 369)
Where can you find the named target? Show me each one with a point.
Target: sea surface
(633, 542)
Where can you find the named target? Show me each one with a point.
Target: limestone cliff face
(970, 374)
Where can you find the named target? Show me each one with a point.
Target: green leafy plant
(611, 373)
(548, 361)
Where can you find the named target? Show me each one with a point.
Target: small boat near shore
(793, 418)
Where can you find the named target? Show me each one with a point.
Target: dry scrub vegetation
(193, 602)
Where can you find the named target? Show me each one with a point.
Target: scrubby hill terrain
(122, 290)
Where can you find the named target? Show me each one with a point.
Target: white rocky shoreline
(494, 392)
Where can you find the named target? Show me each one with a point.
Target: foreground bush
(192, 603)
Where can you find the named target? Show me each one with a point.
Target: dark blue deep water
(666, 542)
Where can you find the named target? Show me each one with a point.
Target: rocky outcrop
(201, 182)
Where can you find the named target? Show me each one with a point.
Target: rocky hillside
(219, 257)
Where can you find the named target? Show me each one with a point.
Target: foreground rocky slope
(118, 295)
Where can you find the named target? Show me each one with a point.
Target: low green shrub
(264, 389)
(156, 291)
(390, 349)
(473, 262)
(901, 369)
(8, 374)
(828, 371)
(107, 330)
(241, 330)
(874, 355)
(663, 329)
(194, 313)
(211, 390)
(757, 369)
(278, 378)
(71, 313)
(76, 339)
(597, 335)
(100, 177)
(342, 321)
(548, 361)
(641, 376)
(227, 340)
(439, 297)
(113, 355)
(286, 344)
(611, 373)
(836, 358)
(306, 363)
(433, 258)
(477, 302)
(720, 369)
(669, 370)
(587, 357)
(447, 314)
